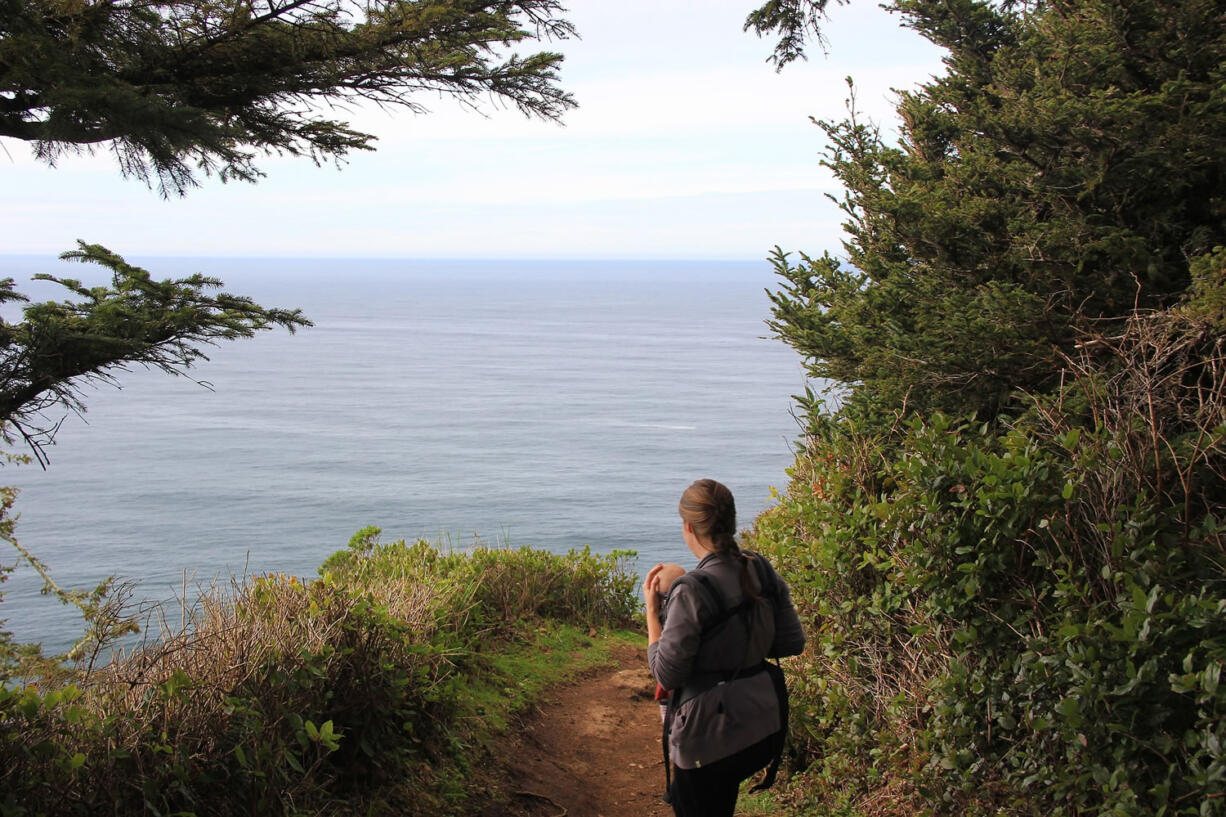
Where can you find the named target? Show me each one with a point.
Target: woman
(708, 635)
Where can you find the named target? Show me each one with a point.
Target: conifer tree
(1042, 249)
(1066, 171)
(175, 89)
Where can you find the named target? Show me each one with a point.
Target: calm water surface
(552, 404)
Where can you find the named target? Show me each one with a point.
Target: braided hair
(708, 507)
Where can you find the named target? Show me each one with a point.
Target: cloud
(686, 142)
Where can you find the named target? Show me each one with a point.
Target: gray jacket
(732, 715)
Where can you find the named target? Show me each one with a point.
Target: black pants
(711, 791)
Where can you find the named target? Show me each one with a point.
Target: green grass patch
(512, 679)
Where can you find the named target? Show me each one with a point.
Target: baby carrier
(703, 584)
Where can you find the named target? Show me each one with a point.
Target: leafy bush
(1021, 620)
(499, 586)
(291, 697)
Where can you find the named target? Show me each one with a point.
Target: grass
(512, 680)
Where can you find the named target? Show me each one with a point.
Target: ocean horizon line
(559, 259)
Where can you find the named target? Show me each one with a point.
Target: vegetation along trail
(592, 750)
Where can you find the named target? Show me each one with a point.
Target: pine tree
(58, 347)
(175, 89)
(1066, 171)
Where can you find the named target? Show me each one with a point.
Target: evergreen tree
(1067, 170)
(59, 346)
(179, 88)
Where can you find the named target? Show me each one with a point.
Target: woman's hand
(652, 595)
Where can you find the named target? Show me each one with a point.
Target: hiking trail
(591, 750)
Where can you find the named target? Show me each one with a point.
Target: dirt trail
(593, 750)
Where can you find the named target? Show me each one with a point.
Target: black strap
(722, 611)
(781, 692)
(668, 763)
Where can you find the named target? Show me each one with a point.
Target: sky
(686, 144)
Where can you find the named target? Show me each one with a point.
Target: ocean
(554, 404)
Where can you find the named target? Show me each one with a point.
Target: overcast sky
(686, 144)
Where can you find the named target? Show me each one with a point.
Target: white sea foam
(661, 426)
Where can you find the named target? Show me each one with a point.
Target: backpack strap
(722, 611)
(766, 581)
(668, 761)
(781, 692)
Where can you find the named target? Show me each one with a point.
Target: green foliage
(1021, 610)
(355, 692)
(1064, 172)
(990, 636)
(179, 89)
(8, 495)
(1024, 617)
(102, 609)
(7, 646)
(59, 346)
(500, 585)
(1206, 299)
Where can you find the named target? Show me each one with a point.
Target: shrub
(1021, 620)
(290, 697)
